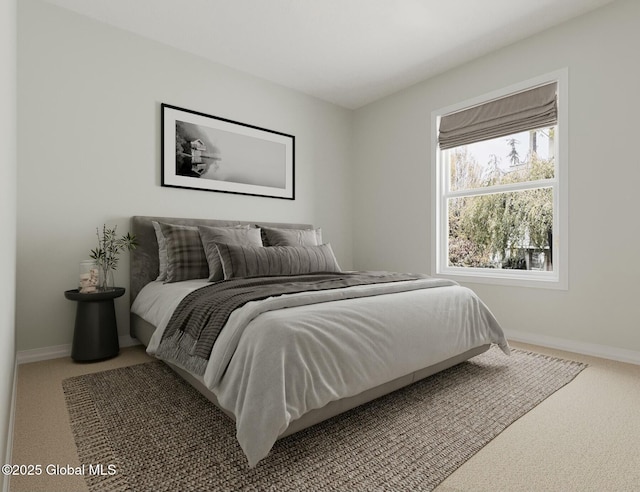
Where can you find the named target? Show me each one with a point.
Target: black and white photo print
(206, 152)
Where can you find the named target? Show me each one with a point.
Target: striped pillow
(185, 255)
(241, 235)
(248, 261)
(292, 237)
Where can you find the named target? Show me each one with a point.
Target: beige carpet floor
(584, 437)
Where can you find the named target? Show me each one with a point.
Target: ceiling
(348, 52)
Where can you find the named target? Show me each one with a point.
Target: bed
(312, 344)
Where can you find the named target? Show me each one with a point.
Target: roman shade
(527, 110)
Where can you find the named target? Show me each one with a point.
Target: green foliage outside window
(497, 230)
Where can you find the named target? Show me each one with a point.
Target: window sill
(507, 279)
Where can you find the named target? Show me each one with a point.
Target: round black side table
(95, 335)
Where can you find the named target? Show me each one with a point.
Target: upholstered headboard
(144, 259)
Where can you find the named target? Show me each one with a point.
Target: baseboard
(128, 341)
(59, 351)
(584, 348)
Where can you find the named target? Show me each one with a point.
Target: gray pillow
(185, 255)
(248, 261)
(292, 237)
(239, 235)
(162, 251)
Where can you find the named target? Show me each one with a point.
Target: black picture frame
(205, 152)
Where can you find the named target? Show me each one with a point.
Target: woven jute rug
(152, 431)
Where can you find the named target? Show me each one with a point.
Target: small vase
(106, 279)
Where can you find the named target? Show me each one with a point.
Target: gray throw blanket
(197, 321)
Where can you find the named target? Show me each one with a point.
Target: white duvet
(271, 364)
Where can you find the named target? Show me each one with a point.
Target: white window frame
(558, 279)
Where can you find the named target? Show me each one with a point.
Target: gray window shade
(528, 110)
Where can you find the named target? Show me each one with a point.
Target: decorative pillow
(185, 255)
(292, 237)
(248, 261)
(162, 251)
(239, 235)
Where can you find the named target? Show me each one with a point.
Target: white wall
(7, 211)
(89, 138)
(392, 203)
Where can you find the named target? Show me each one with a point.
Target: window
(499, 177)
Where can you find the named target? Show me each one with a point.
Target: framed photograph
(205, 152)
